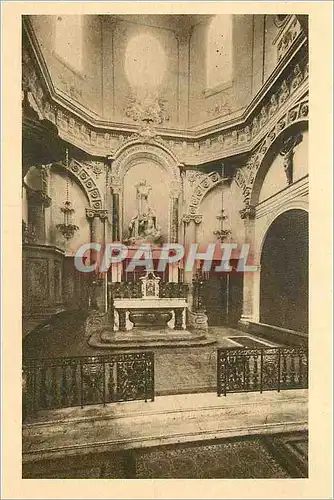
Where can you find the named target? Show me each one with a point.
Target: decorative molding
(288, 36)
(194, 176)
(248, 212)
(192, 147)
(125, 158)
(96, 167)
(280, 201)
(87, 182)
(150, 109)
(201, 189)
(245, 176)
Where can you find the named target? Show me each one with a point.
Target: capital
(91, 213)
(248, 212)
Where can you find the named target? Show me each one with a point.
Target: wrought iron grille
(126, 290)
(173, 290)
(132, 290)
(80, 381)
(265, 369)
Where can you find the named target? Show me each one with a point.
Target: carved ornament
(245, 176)
(201, 189)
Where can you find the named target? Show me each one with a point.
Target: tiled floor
(178, 370)
(261, 457)
(109, 442)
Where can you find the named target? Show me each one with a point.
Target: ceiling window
(219, 52)
(145, 62)
(68, 40)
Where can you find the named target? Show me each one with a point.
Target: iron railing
(265, 369)
(80, 381)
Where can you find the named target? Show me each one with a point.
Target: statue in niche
(287, 152)
(143, 227)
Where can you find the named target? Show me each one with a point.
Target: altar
(150, 310)
(153, 313)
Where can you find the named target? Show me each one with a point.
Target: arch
(248, 178)
(269, 155)
(131, 152)
(284, 272)
(201, 190)
(86, 182)
(296, 204)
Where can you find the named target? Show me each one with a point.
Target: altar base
(137, 339)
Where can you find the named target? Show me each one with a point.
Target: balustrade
(267, 369)
(80, 381)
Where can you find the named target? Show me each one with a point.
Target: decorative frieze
(147, 151)
(96, 167)
(150, 109)
(83, 176)
(245, 176)
(194, 176)
(288, 36)
(102, 139)
(200, 190)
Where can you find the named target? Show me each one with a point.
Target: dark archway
(284, 272)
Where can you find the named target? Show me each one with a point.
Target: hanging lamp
(221, 233)
(67, 228)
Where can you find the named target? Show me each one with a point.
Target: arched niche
(284, 272)
(128, 153)
(151, 173)
(162, 171)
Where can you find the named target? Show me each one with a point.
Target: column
(189, 232)
(97, 229)
(195, 319)
(174, 218)
(99, 297)
(37, 202)
(248, 214)
(115, 217)
(173, 272)
(24, 205)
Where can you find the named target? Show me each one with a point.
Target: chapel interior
(164, 129)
